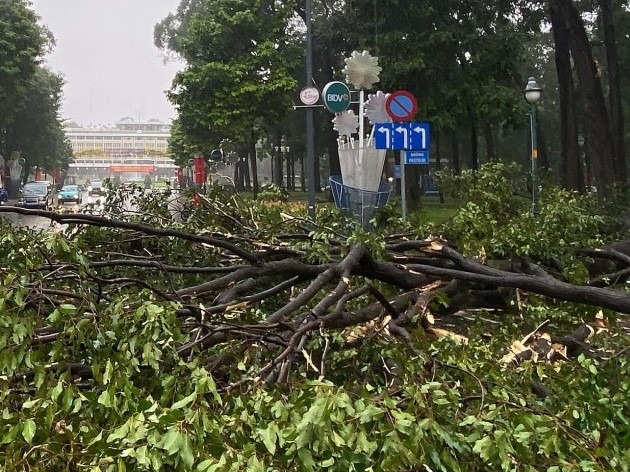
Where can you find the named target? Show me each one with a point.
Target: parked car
(36, 195)
(4, 196)
(70, 193)
(96, 188)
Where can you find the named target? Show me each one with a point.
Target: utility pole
(310, 142)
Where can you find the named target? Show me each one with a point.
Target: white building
(129, 149)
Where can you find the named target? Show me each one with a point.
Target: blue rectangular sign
(417, 157)
(383, 135)
(397, 173)
(402, 136)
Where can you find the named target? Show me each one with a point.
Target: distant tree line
(466, 62)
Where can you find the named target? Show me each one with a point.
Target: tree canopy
(471, 91)
(30, 94)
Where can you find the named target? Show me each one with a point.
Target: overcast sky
(106, 54)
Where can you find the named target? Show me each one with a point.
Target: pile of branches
(266, 297)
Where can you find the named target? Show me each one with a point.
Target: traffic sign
(417, 157)
(403, 136)
(401, 105)
(336, 96)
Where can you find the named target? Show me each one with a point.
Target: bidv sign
(336, 97)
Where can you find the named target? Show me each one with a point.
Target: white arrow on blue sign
(403, 136)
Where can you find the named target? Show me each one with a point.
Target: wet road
(37, 222)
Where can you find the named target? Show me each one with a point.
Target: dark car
(4, 196)
(96, 188)
(70, 193)
(36, 195)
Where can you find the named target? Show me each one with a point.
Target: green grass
(431, 209)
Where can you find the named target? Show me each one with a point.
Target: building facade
(128, 150)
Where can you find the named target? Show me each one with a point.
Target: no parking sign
(401, 105)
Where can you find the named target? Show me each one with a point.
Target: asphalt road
(37, 222)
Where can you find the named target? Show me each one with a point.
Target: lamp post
(532, 95)
(586, 183)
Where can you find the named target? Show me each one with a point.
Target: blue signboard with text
(402, 136)
(417, 157)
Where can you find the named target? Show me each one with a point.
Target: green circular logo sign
(336, 97)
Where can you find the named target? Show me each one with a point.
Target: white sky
(106, 54)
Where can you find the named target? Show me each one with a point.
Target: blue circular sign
(401, 105)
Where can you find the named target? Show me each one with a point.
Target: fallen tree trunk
(295, 298)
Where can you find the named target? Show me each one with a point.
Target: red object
(200, 170)
(38, 174)
(401, 105)
(196, 199)
(180, 175)
(57, 176)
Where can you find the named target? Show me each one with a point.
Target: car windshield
(36, 189)
(70, 188)
(96, 184)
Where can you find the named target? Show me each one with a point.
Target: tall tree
(614, 91)
(241, 63)
(22, 43)
(37, 132)
(596, 123)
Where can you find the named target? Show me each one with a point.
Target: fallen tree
(199, 324)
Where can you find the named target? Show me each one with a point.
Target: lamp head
(532, 91)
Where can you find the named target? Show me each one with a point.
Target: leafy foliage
(496, 218)
(104, 365)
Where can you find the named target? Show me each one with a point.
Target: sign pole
(310, 138)
(403, 186)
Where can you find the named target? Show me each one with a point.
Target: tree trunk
(571, 166)
(596, 116)
(491, 153)
(474, 151)
(455, 150)
(253, 162)
(614, 93)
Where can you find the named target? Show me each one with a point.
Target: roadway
(38, 222)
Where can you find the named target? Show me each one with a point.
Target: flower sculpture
(362, 70)
(375, 108)
(346, 123)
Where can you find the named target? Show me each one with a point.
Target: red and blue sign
(401, 105)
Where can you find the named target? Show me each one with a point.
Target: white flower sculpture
(362, 70)
(346, 123)
(375, 108)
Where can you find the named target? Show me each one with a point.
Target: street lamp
(581, 139)
(532, 95)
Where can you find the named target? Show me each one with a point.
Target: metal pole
(534, 159)
(403, 186)
(310, 142)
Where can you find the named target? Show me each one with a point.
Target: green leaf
(269, 437)
(184, 401)
(186, 453)
(172, 441)
(28, 430)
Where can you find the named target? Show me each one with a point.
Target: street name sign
(402, 136)
(417, 157)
